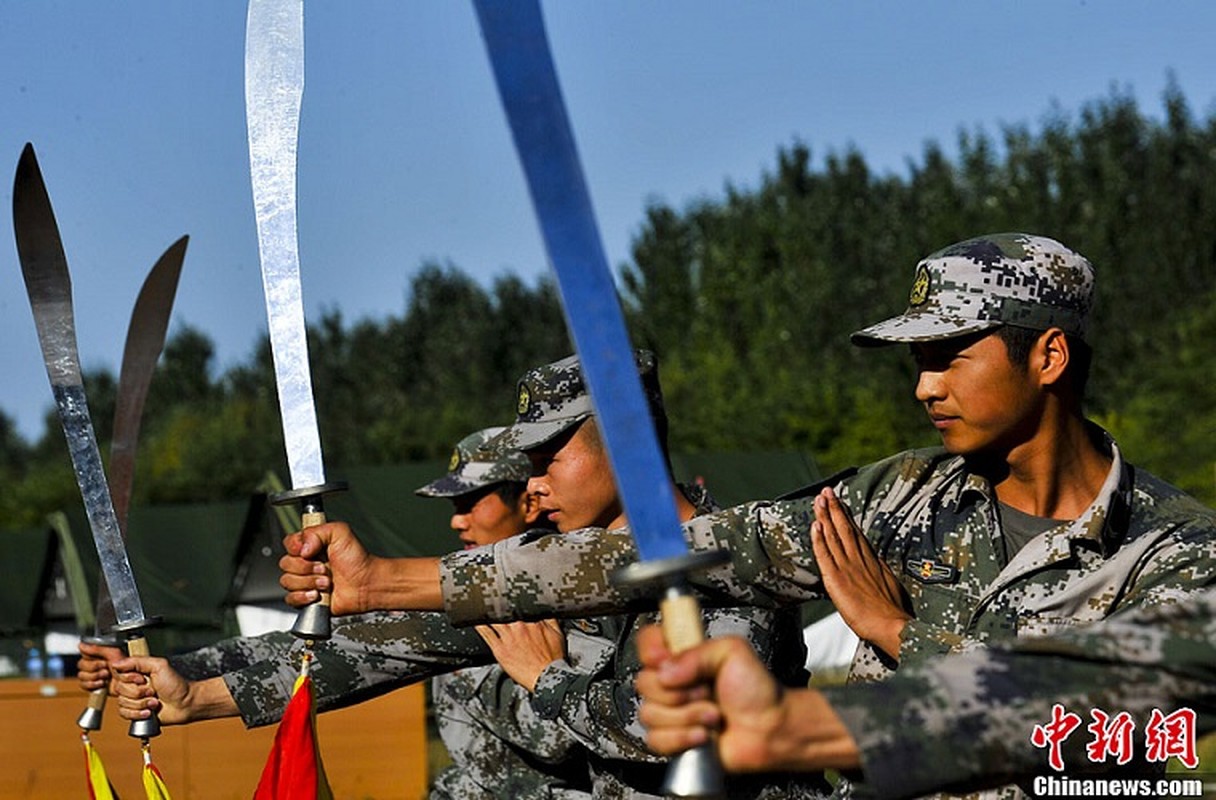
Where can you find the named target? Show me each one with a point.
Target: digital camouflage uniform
(929, 516)
(578, 736)
(371, 654)
(497, 746)
(590, 695)
(965, 720)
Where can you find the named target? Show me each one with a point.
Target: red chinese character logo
(1053, 734)
(1112, 736)
(1171, 735)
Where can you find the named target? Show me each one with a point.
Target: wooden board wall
(373, 751)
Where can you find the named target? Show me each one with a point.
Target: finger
(137, 708)
(292, 543)
(652, 647)
(827, 524)
(842, 522)
(700, 664)
(695, 713)
(315, 539)
(669, 741)
(299, 599)
(828, 568)
(296, 565)
(650, 687)
(132, 687)
(488, 633)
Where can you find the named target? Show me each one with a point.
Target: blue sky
(136, 110)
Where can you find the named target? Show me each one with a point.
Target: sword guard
(131, 629)
(307, 495)
(102, 640)
(668, 570)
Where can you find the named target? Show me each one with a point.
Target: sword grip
(696, 772)
(142, 728)
(313, 621)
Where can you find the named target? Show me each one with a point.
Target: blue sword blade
(514, 33)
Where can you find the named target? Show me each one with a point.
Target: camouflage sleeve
(367, 656)
(231, 654)
(566, 575)
(492, 755)
(599, 707)
(596, 709)
(964, 721)
(504, 708)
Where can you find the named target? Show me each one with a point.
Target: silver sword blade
(274, 87)
(45, 269)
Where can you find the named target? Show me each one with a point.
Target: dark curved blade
(145, 340)
(49, 286)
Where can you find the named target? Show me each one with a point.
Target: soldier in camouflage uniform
(372, 653)
(557, 429)
(581, 709)
(1027, 521)
(959, 722)
(532, 759)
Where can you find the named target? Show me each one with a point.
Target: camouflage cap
(984, 283)
(478, 461)
(553, 398)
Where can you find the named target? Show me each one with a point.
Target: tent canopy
(195, 563)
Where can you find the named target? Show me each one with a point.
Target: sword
(48, 284)
(515, 37)
(145, 340)
(274, 87)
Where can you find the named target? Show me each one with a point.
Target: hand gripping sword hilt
(137, 646)
(94, 711)
(696, 772)
(312, 623)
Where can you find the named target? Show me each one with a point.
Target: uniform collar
(1104, 522)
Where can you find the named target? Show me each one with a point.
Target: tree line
(748, 298)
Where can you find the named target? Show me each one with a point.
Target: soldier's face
(483, 517)
(572, 478)
(979, 401)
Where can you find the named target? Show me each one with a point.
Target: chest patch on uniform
(926, 570)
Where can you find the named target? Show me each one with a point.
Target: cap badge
(525, 399)
(455, 462)
(920, 287)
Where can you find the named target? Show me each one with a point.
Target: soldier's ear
(530, 505)
(1050, 356)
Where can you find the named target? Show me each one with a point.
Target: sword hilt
(137, 646)
(696, 772)
(312, 623)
